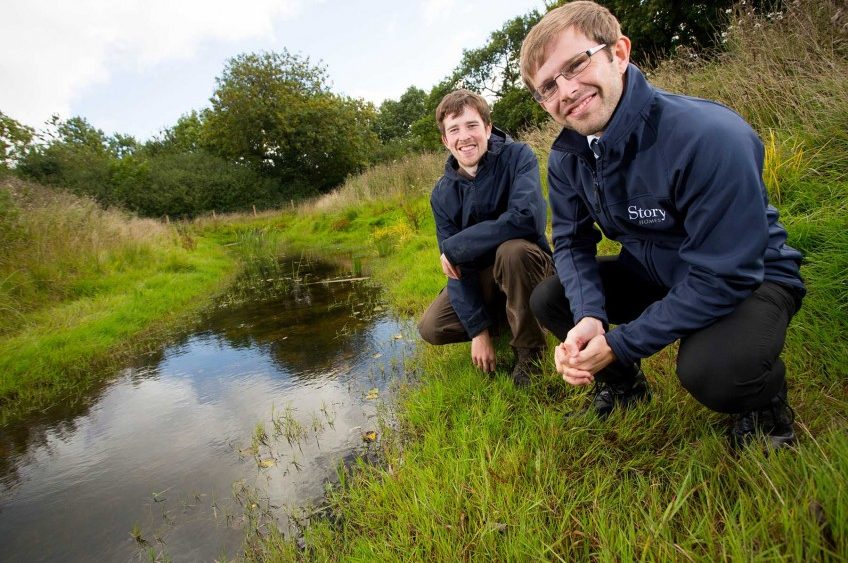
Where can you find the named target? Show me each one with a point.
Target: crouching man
(490, 225)
(678, 182)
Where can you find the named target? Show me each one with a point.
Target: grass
(474, 469)
(85, 287)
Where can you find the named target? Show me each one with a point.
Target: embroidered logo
(645, 216)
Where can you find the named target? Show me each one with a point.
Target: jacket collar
(637, 96)
(497, 141)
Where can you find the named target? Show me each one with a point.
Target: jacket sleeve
(721, 193)
(466, 295)
(575, 245)
(525, 216)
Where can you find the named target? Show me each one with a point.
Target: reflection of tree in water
(24, 437)
(314, 324)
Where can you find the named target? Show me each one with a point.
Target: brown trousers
(519, 267)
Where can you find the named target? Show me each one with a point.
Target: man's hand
(483, 352)
(583, 353)
(449, 269)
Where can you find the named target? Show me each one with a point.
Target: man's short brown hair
(591, 19)
(455, 102)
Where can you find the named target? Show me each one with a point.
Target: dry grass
(411, 176)
(785, 71)
(63, 226)
(54, 244)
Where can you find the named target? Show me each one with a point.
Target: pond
(246, 418)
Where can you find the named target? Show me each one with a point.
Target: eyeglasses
(571, 69)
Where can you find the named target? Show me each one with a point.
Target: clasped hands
(583, 353)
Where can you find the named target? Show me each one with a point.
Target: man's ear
(445, 142)
(621, 52)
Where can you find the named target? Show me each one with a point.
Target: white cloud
(51, 50)
(436, 10)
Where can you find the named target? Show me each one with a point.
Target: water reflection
(152, 463)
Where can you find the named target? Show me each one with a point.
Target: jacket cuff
(476, 325)
(619, 349)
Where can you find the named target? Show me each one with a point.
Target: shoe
(774, 422)
(624, 394)
(527, 365)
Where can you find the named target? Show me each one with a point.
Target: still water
(249, 416)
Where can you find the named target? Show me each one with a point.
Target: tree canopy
(275, 112)
(659, 27)
(15, 139)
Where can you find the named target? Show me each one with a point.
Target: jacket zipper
(600, 208)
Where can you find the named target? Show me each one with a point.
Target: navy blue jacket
(473, 217)
(679, 185)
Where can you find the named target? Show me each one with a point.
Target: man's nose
(566, 87)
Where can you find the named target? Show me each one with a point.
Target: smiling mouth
(581, 105)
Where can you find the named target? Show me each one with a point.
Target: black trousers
(730, 366)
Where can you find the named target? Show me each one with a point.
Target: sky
(135, 66)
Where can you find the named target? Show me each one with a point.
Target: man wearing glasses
(490, 225)
(677, 181)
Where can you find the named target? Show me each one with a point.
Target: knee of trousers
(513, 254)
(541, 300)
(726, 386)
(428, 331)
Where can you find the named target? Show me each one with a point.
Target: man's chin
(580, 127)
(468, 163)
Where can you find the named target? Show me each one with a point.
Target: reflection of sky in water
(176, 427)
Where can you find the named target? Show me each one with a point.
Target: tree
(424, 131)
(275, 112)
(395, 118)
(72, 154)
(493, 71)
(658, 28)
(15, 139)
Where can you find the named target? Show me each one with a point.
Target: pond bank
(61, 351)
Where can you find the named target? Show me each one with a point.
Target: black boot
(773, 422)
(528, 363)
(623, 394)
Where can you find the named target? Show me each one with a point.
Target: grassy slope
(476, 469)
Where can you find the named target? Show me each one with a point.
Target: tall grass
(475, 469)
(55, 245)
(411, 176)
(785, 71)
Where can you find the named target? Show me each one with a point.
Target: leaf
(266, 463)
(398, 337)
(372, 394)
(377, 355)
(369, 436)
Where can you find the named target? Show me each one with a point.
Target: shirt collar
(590, 139)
